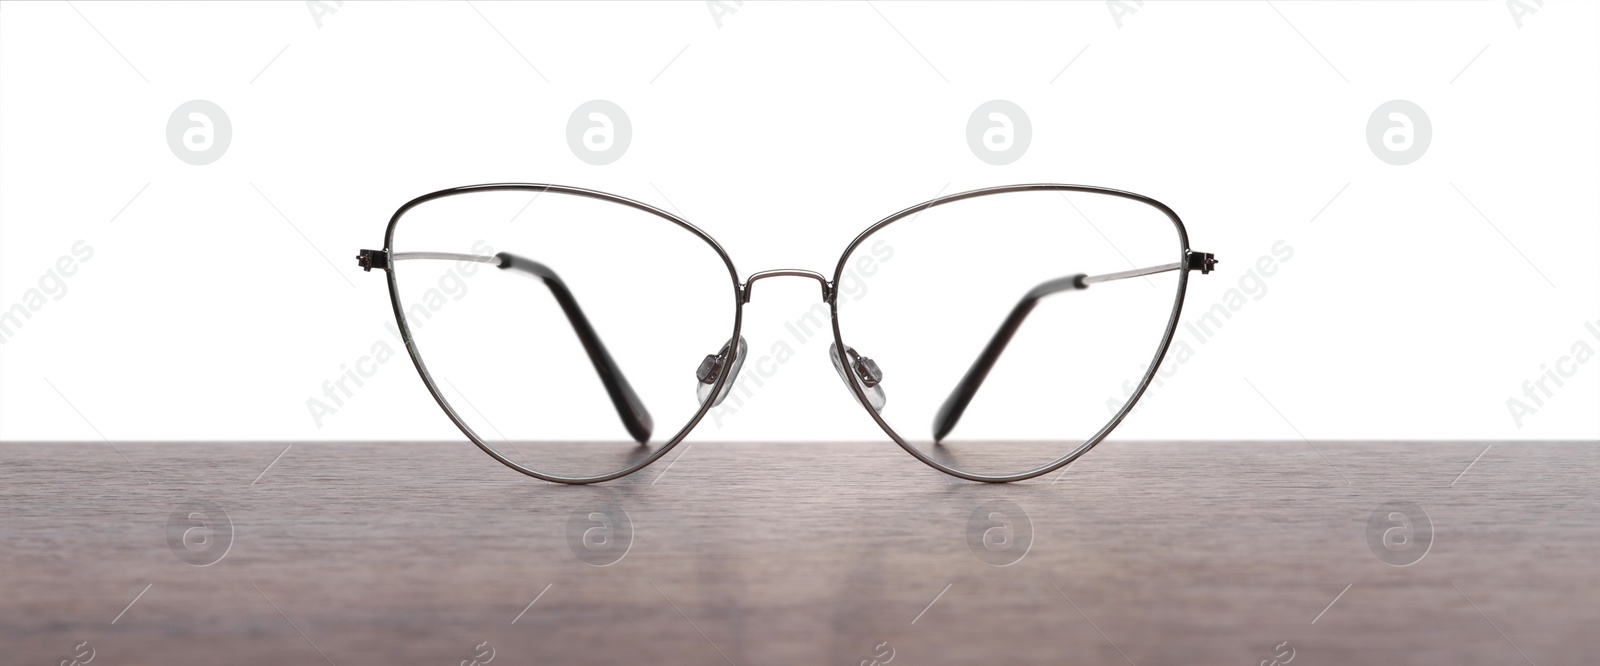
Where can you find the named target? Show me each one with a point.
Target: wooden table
(798, 553)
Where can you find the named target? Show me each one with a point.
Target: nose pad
(863, 371)
(711, 367)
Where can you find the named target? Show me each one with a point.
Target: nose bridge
(827, 288)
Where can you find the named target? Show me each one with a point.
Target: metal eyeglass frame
(715, 373)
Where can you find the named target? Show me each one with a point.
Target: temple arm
(950, 412)
(634, 416)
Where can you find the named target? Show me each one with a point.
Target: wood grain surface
(798, 553)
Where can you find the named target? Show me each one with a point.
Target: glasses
(578, 336)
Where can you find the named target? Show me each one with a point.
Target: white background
(1419, 300)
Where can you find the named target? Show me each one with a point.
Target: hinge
(1201, 261)
(370, 259)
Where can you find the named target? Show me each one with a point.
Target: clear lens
(938, 286)
(564, 331)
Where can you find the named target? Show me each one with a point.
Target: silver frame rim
(438, 396)
(1155, 361)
